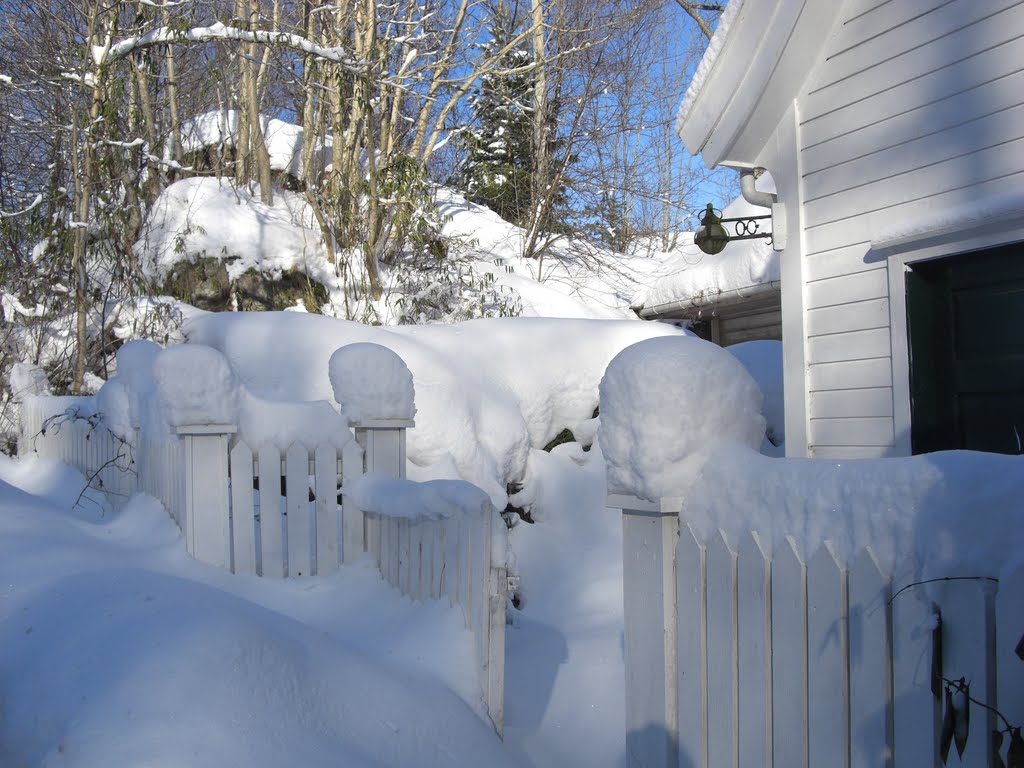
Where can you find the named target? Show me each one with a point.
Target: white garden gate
(740, 657)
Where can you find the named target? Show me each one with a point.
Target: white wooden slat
(850, 374)
(917, 52)
(921, 201)
(852, 432)
(841, 347)
(827, 671)
(918, 114)
(691, 664)
(441, 562)
(915, 710)
(458, 557)
(1009, 631)
(271, 521)
(969, 651)
(853, 403)
(721, 645)
(405, 564)
(325, 463)
(789, 651)
(243, 521)
(848, 260)
(870, 669)
(922, 152)
(299, 522)
(953, 174)
(417, 533)
(843, 318)
(845, 289)
(753, 585)
(352, 516)
(866, 20)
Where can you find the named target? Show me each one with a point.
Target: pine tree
(498, 167)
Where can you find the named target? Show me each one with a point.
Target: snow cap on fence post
(374, 388)
(199, 395)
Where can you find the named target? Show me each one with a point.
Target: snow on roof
(707, 63)
(690, 275)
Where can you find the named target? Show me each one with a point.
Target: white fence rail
(277, 511)
(736, 656)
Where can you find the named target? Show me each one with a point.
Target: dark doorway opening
(965, 319)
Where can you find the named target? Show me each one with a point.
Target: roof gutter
(718, 300)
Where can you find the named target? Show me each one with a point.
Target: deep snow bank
(486, 390)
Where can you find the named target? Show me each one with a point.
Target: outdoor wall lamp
(712, 237)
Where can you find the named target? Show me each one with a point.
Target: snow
(486, 390)
(687, 275)
(763, 361)
(28, 380)
(952, 510)
(371, 382)
(196, 386)
(394, 497)
(118, 649)
(707, 63)
(204, 217)
(665, 405)
(974, 213)
(220, 129)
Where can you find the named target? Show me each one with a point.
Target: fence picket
(353, 535)
(1010, 630)
(243, 516)
(691, 594)
(325, 468)
(753, 585)
(968, 651)
(271, 521)
(827, 681)
(915, 710)
(298, 522)
(789, 649)
(721, 649)
(869, 631)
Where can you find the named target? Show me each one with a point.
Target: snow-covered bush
(666, 404)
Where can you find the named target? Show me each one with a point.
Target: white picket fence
(740, 657)
(276, 511)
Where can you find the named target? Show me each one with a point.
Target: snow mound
(953, 511)
(371, 382)
(394, 497)
(763, 361)
(665, 405)
(196, 385)
(27, 380)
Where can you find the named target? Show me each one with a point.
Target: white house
(894, 131)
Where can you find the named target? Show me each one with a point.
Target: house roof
(753, 69)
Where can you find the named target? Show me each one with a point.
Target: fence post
(650, 535)
(383, 444)
(206, 523)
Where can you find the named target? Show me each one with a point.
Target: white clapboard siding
(850, 374)
(859, 315)
(915, 52)
(853, 403)
(787, 663)
(857, 286)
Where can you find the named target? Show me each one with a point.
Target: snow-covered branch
(220, 31)
(34, 204)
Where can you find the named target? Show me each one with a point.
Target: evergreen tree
(498, 168)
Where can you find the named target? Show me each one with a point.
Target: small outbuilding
(728, 297)
(894, 132)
